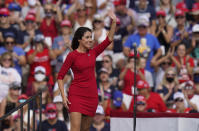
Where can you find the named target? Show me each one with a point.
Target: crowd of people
(36, 37)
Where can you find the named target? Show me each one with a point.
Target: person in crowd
(29, 32)
(162, 31)
(99, 122)
(168, 7)
(57, 100)
(35, 8)
(179, 104)
(9, 103)
(125, 15)
(91, 8)
(41, 55)
(49, 24)
(6, 27)
(40, 80)
(168, 86)
(146, 43)
(84, 76)
(196, 79)
(143, 9)
(114, 104)
(107, 63)
(188, 89)
(8, 74)
(195, 43)
(17, 53)
(52, 122)
(182, 61)
(127, 77)
(62, 44)
(146, 74)
(153, 100)
(104, 86)
(141, 104)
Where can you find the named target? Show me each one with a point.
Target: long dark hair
(79, 33)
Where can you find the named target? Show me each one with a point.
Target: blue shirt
(19, 51)
(105, 128)
(150, 46)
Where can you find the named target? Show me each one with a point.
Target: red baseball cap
(179, 13)
(4, 11)
(30, 17)
(182, 6)
(23, 96)
(141, 84)
(66, 23)
(119, 2)
(51, 106)
(195, 9)
(131, 55)
(161, 13)
(141, 98)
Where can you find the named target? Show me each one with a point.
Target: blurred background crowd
(36, 35)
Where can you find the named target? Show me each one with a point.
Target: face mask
(51, 115)
(170, 79)
(39, 77)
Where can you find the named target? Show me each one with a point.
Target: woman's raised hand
(112, 15)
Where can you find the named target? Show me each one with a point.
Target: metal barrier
(31, 100)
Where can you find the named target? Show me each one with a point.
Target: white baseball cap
(57, 98)
(32, 2)
(195, 28)
(178, 95)
(100, 110)
(40, 68)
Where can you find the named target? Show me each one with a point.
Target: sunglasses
(171, 74)
(188, 87)
(89, 7)
(166, 63)
(7, 59)
(97, 21)
(51, 111)
(142, 27)
(15, 88)
(10, 42)
(140, 103)
(179, 17)
(106, 61)
(160, 16)
(179, 100)
(78, 10)
(29, 22)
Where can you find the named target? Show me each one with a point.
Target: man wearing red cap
(52, 123)
(153, 100)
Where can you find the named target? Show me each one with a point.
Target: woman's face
(161, 19)
(81, 11)
(65, 30)
(86, 40)
(29, 24)
(106, 63)
(15, 92)
(98, 24)
(104, 76)
(7, 61)
(179, 102)
(181, 51)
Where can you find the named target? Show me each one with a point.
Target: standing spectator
(154, 101)
(17, 53)
(40, 56)
(162, 31)
(58, 102)
(35, 8)
(49, 24)
(8, 74)
(195, 43)
(99, 123)
(168, 86)
(143, 9)
(146, 43)
(196, 79)
(52, 123)
(62, 44)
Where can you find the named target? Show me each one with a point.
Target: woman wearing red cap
(82, 98)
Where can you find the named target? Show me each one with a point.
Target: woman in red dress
(82, 98)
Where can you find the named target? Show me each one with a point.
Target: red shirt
(41, 59)
(83, 67)
(129, 82)
(153, 102)
(190, 61)
(186, 110)
(49, 31)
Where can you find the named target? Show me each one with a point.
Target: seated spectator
(179, 104)
(116, 104)
(99, 122)
(146, 43)
(40, 56)
(141, 104)
(49, 24)
(168, 86)
(127, 77)
(153, 100)
(17, 53)
(9, 103)
(182, 61)
(8, 74)
(162, 31)
(105, 88)
(169, 8)
(52, 122)
(113, 72)
(62, 44)
(40, 80)
(188, 89)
